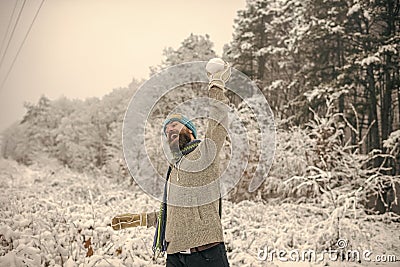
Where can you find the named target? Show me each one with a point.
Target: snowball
(215, 65)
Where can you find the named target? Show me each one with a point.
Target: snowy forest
(330, 73)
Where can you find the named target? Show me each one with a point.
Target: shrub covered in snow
(51, 216)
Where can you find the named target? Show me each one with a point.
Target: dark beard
(184, 139)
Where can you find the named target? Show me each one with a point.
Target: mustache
(183, 138)
(172, 133)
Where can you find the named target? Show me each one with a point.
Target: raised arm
(219, 73)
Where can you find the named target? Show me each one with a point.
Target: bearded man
(191, 232)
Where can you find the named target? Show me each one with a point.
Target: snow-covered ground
(55, 217)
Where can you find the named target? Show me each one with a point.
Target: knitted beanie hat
(182, 119)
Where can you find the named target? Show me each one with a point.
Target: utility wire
(20, 47)
(8, 27)
(12, 34)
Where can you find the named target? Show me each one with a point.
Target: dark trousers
(212, 257)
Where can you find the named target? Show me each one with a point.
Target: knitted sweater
(193, 213)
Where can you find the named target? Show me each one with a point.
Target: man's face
(178, 135)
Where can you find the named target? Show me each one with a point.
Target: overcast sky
(84, 48)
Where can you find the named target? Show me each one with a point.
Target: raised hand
(218, 72)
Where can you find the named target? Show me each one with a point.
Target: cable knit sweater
(193, 214)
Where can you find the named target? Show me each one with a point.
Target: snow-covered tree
(193, 48)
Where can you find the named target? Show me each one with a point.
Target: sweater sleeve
(218, 117)
(151, 219)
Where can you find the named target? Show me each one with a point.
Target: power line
(12, 34)
(8, 26)
(20, 47)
